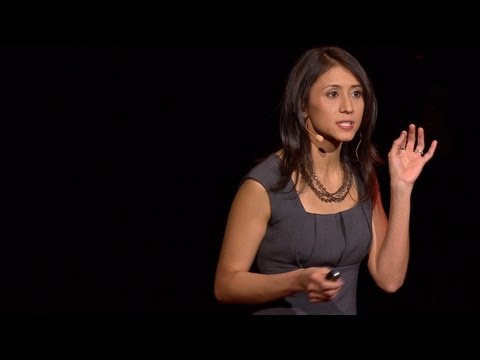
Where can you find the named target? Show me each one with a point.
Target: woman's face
(336, 104)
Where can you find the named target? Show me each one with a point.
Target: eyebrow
(338, 86)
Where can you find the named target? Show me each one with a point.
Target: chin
(346, 139)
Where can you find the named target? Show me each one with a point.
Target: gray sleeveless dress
(297, 239)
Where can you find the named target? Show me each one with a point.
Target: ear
(305, 113)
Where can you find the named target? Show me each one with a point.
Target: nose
(346, 106)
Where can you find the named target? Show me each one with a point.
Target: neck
(326, 160)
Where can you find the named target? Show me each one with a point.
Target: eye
(332, 94)
(357, 94)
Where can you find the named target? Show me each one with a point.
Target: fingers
(400, 143)
(411, 137)
(320, 289)
(324, 285)
(324, 296)
(414, 140)
(420, 141)
(429, 154)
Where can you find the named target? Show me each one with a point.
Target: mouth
(346, 124)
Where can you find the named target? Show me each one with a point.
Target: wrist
(298, 284)
(401, 187)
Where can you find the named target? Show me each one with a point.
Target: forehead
(337, 75)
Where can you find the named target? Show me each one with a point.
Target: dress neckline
(299, 201)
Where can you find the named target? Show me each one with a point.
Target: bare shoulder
(252, 191)
(252, 198)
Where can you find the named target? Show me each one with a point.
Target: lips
(345, 124)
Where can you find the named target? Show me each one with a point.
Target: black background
(122, 160)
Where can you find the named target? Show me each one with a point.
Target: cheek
(319, 108)
(361, 108)
(326, 107)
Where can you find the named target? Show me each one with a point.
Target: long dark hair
(359, 155)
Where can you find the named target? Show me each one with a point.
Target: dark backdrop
(122, 161)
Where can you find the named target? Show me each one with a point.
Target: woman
(315, 205)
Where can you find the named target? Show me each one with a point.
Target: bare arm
(246, 227)
(389, 254)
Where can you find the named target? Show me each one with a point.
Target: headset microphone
(318, 137)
